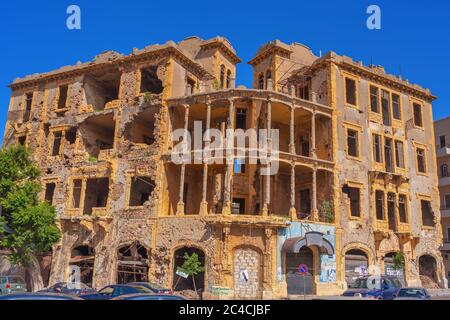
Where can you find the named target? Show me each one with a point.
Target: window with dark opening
(222, 76)
(228, 78)
(350, 91)
(391, 207)
(354, 195)
(28, 105)
(57, 139)
(304, 146)
(71, 135)
(418, 121)
(427, 214)
(238, 206)
(385, 107)
(76, 193)
(379, 203)
(388, 155)
(241, 119)
(268, 77)
(377, 151)
(399, 155)
(374, 99)
(191, 84)
(62, 96)
(22, 140)
(261, 81)
(447, 201)
(305, 202)
(396, 111)
(444, 171)
(442, 142)
(140, 191)
(150, 81)
(421, 166)
(96, 195)
(50, 192)
(402, 208)
(352, 143)
(303, 92)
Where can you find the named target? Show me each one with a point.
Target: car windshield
(413, 293)
(141, 289)
(106, 291)
(360, 283)
(150, 285)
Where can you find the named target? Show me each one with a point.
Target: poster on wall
(328, 268)
(243, 276)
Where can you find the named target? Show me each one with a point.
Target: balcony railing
(443, 151)
(445, 212)
(445, 181)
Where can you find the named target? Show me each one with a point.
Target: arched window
(228, 78)
(261, 81)
(268, 77)
(222, 76)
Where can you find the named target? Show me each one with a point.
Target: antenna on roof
(400, 75)
(320, 53)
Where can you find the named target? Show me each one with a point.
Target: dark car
(146, 296)
(156, 288)
(378, 287)
(72, 288)
(39, 296)
(113, 291)
(413, 294)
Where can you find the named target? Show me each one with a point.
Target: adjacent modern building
(442, 134)
(355, 192)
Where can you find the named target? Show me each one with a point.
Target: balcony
(445, 213)
(446, 245)
(443, 182)
(444, 151)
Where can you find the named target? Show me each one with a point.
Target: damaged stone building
(356, 186)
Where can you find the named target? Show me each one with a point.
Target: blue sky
(414, 37)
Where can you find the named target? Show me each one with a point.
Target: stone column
(181, 204)
(229, 161)
(292, 210)
(292, 131)
(313, 136)
(204, 204)
(315, 212)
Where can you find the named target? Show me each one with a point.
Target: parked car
(72, 288)
(147, 296)
(12, 284)
(156, 288)
(39, 296)
(113, 291)
(413, 294)
(382, 287)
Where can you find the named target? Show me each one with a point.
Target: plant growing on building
(192, 267)
(149, 97)
(398, 261)
(327, 212)
(92, 159)
(31, 222)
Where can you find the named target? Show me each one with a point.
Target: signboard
(220, 291)
(303, 269)
(182, 274)
(243, 276)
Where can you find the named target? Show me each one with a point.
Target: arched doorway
(428, 271)
(247, 273)
(83, 257)
(356, 265)
(298, 284)
(394, 265)
(180, 281)
(132, 263)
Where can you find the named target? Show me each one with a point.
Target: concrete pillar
(315, 212)
(292, 210)
(313, 136)
(181, 204)
(265, 210)
(204, 204)
(229, 161)
(292, 131)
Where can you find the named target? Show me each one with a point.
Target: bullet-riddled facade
(355, 188)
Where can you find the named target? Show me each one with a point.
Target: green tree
(192, 267)
(398, 261)
(32, 221)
